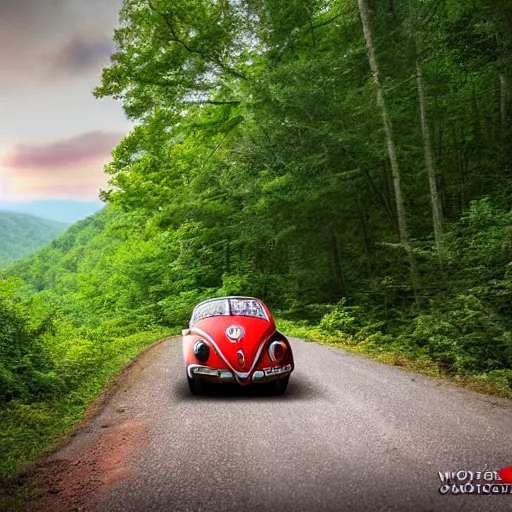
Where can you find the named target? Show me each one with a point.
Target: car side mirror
(185, 332)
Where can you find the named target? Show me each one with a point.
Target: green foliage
(339, 320)
(465, 335)
(28, 428)
(260, 168)
(22, 234)
(352, 322)
(26, 367)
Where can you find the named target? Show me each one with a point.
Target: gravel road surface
(350, 434)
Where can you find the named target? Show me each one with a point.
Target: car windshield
(247, 307)
(228, 306)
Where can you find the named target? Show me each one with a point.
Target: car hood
(256, 331)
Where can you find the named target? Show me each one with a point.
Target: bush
(501, 379)
(26, 367)
(347, 321)
(464, 334)
(340, 320)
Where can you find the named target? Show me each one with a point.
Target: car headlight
(201, 351)
(276, 350)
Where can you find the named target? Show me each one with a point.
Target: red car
(234, 339)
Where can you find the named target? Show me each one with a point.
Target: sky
(55, 136)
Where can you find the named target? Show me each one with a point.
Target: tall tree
(437, 213)
(388, 130)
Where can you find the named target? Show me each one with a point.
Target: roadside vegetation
(50, 371)
(348, 162)
(59, 348)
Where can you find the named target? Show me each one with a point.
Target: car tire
(278, 386)
(196, 385)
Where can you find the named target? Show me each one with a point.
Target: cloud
(71, 168)
(81, 55)
(62, 155)
(87, 192)
(42, 36)
(51, 16)
(51, 55)
(31, 12)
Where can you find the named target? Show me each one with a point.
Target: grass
(494, 383)
(28, 431)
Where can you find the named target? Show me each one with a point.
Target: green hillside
(21, 235)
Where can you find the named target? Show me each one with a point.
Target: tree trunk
(459, 193)
(475, 115)
(400, 209)
(364, 232)
(440, 135)
(312, 30)
(503, 100)
(437, 214)
(382, 198)
(336, 252)
(387, 186)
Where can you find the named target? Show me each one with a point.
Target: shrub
(25, 363)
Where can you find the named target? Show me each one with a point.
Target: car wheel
(278, 386)
(196, 385)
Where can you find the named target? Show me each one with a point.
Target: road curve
(350, 434)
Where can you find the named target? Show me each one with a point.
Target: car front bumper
(221, 375)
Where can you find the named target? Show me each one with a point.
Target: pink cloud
(62, 155)
(70, 168)
(85, 192)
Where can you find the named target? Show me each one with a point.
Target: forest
(346, 161)
(23, 234)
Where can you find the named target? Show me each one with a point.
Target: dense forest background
(346, 161)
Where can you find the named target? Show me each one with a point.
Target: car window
(247, 307)
(211, 308)
(224, 307)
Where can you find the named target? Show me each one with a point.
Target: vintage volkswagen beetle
(234, 340)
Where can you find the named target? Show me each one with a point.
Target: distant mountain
(21, 235)
(57, 210)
